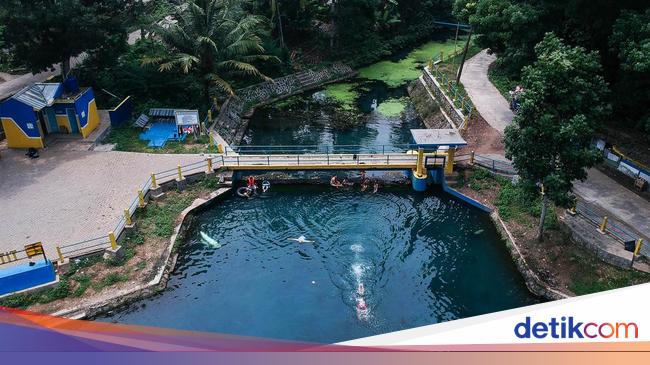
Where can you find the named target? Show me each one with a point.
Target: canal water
(371, 109)
(421, 258)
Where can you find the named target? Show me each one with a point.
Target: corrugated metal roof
(161, 113)
(39, 95)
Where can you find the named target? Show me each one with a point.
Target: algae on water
(392, 107)
(342, 93)
(398, 73)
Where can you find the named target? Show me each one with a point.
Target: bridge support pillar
(449, 161)
(419, 182)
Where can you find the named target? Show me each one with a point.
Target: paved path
(68, 196)
(488, 100)
(601, 190)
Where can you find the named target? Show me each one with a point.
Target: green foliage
(43, 32)
(501, 80)
(342, 93)
(60, 291)
(589, 279)
(109, 280)
(83, 282)
(560, 109)
(159, 218)
(215, 40)
(127, 138)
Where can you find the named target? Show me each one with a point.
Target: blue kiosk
(441, 142)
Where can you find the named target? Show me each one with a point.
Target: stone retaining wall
(231, 125)
(162, 270)
(446, 104)
(536, 285)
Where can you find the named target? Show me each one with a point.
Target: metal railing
(318, 149)
(617, 229)
(300, 156)
(494, 165)
(455, 93)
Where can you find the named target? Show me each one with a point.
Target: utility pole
(277, 10)
(462, 62)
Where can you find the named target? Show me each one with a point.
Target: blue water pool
(422, 259)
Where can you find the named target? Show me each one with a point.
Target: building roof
(437, 137)
(186, 117)
(39, 95)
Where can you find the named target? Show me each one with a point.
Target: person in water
(347, 182)
(362, 175)
(375, 187)
(334, 181)
(365, 184)
(361, 290)
(251, 182)
(361, 305)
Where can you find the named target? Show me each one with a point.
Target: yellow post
(442, 56)
(211, 140)
(140, 198)
(219, 148)
(573, 210)
(210, 115)
(603, 225)
(111, 237)
(466, 125)
(637, 248)
(419, 169)
(127, 217)
(471, 158)
(462, 104)
(180, 173)
(154, 184)
(59, 253)
(449, 166)
(430, 65)
(209, 165)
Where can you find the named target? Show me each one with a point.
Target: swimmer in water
(347, 182)
(375, 187)
(365, 184)
(301, 239)
(361, 305)
(334, 181)
(361, 290)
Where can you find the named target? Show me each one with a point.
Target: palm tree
(216, 39)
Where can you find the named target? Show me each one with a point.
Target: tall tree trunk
(333, 22)
(65, 68)
(279, 15)
(540, 235)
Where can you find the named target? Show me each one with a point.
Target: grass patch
(392, 107)
(501, 81)
(83, 282)
(128, 139)
(109, 280)
(592, 276)
(60, 291)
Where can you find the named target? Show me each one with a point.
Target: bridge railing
(319, 149)
(326, 159)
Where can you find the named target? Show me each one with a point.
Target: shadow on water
(421, 259)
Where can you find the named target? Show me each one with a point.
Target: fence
(323, 149)
(612, 226)
(619, 161)
(458, 107)
(494, 165)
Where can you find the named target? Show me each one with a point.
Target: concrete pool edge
(533, 282)
(163, 269)
(167, 264)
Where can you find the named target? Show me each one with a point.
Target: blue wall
(121, 113)
(21, 114)
(22, 277)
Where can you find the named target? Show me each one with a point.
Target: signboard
(34, 249)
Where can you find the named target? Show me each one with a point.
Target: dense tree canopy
(563, 103)
(216, 40)
(43, 32)
(618, 30)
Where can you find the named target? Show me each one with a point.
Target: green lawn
(127, 139)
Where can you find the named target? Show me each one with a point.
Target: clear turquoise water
(423, 258)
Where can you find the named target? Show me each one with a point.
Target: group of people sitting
(365, 182)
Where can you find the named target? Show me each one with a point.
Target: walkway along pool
(422, 258)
